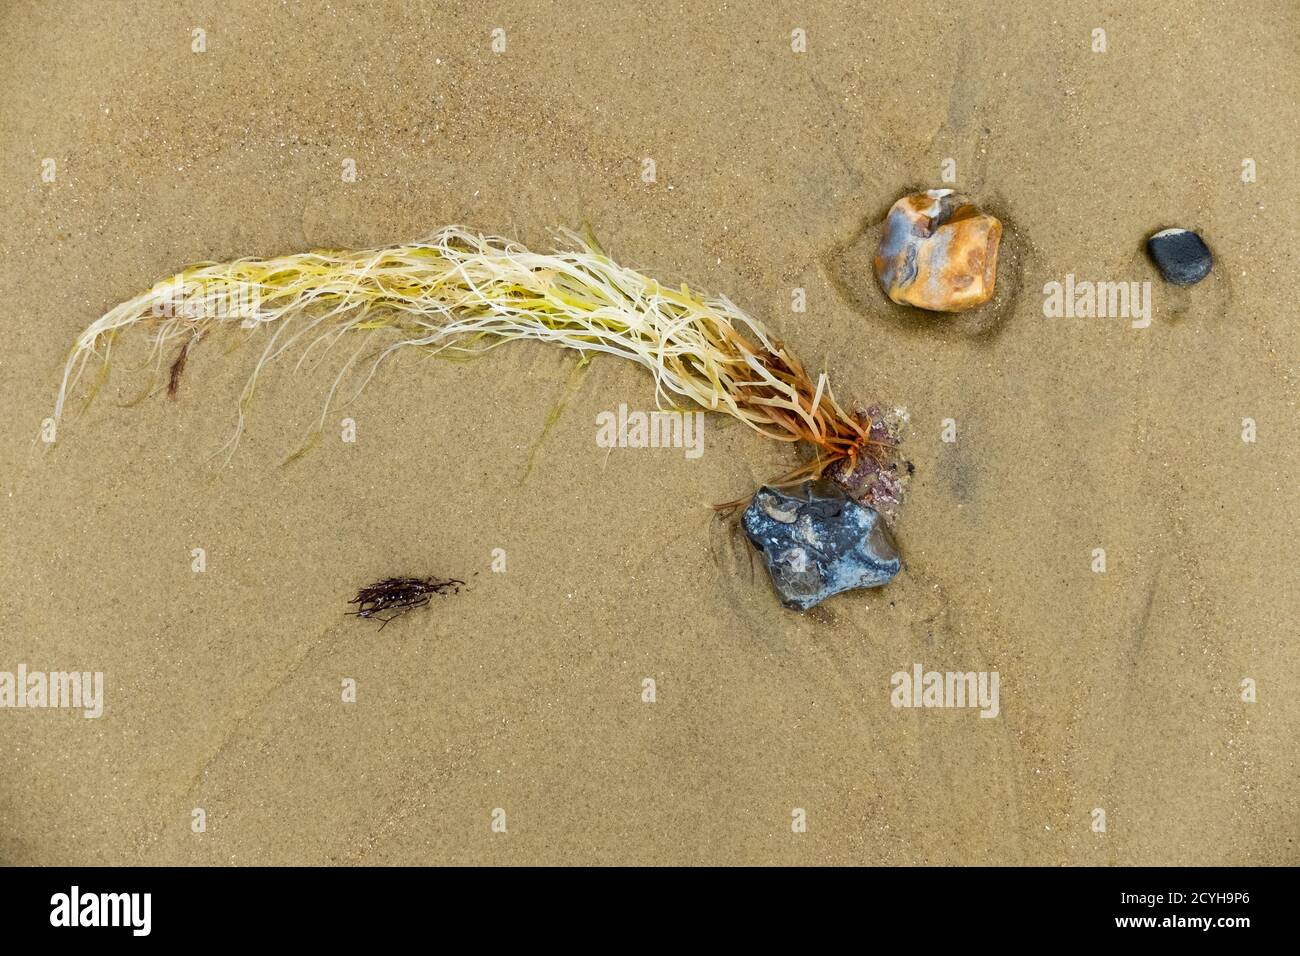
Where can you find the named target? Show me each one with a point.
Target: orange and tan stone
(938, 252)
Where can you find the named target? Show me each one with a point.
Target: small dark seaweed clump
(393, 597)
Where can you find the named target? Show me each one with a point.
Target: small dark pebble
(1182, 256)
(817, 541)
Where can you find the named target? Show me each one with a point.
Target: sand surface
(1120, 691)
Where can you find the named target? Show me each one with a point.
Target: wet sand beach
(1160, 691)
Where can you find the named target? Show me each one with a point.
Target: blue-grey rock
(1182, 256)
(818, 541)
